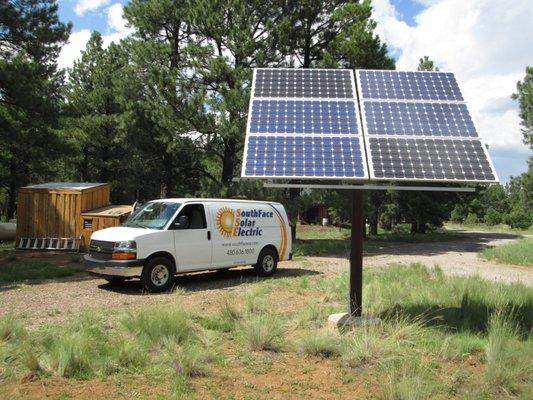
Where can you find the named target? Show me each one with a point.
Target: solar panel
(310, 157)
(297, 116)
(430, 159)
(419, 119)
(403, 85)
(417, 127)
(304, 123)
(297, 83)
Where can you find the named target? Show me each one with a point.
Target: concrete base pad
(343, 321)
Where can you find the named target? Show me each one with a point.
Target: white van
(174, 236)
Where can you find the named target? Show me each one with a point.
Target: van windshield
(152, 215)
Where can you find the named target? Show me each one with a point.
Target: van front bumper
(110, 268)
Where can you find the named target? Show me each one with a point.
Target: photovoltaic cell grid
(403, 85)
(298, 117)
(308, 156)
(304, 123)
(418, 119)
(429, 159)
(298, 83)
(417, 127)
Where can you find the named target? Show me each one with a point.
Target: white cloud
(484, 42)
(116, 30)
(116, 24)
(82, 6)
(72, 50)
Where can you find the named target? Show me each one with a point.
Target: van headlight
(125, 250)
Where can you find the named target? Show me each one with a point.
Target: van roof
(188, 200)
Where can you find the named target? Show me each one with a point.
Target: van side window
(195, 214)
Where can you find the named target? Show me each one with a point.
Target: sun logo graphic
(227, 221)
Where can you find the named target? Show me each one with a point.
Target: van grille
(101, 249)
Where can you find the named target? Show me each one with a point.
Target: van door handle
(208, 235)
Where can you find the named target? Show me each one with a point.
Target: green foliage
(524, 96)
(11, 329)
(425, 64)
(519, 218)
(519, 252)
(459, 213)
(471, 219)
(319, 343)
(31, 37)
(493, 217)
(261, 332)
(160, 324)
(506, 368)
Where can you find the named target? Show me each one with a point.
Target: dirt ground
(265, 375)
(50, 300)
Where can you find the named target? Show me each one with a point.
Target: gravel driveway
(58, 299)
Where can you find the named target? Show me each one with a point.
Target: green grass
(261, 332)
(20, 271)
(315, 240)
(439, 337)
(501, 228)
(519, 252)
(7, 247)
(319, 343)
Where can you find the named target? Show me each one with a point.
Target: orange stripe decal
(283, 235)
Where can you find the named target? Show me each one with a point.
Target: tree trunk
(84, 173)
(373, 221)
(166, 184)
(228, 162)
(12, 191)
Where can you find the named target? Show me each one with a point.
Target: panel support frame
(369, 187)
(355, 286)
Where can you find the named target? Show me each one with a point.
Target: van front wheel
(158, 275)
(267, 263)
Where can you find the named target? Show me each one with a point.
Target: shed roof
(65, 185)
(108, 211)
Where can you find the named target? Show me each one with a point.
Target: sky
(485, 43)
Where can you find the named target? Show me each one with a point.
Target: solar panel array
(417, 127)
(305, 123)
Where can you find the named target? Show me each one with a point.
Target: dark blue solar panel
(418, 119)
(298, 82)
(429, 159)
(290, 156)
(401, 85)
(295, 116)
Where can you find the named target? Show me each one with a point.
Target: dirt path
(58, 299)
(458, 257)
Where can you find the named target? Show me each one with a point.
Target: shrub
(261, 332)
(72, 355)
(190, 360)
(458, 213)
(507, 360)
(493, 217)
(319, 343)
(11, 329)
(156, 324)
(519, 219)
(471, 219)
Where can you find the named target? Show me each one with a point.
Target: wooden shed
(51, 215)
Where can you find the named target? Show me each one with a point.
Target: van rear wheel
(158, 275)
(267, 262)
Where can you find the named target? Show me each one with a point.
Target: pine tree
(30, 39)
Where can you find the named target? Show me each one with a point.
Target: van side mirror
(183, 222)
